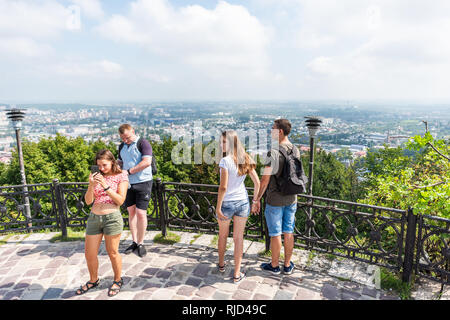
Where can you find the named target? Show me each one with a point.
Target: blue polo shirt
(131, 157)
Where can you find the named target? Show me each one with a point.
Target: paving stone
(272, 280)
(163, 294)
(13, 295)
(56, 263)
(22, 285)
(372, 292)
(248, 285)
(212, 279)
(163, 274)
(52, 293)
(138, 283)
(290, 284)
(219, 295)
(241, 295)
(227, 286)
(284, 295)
(305, 294)
(330, 292)
(179, 276)
(186, 290)
(384, 296)
(206, 291)
(350, 295)
(259, 296)
(254, 248)
(195, 282)
(201, 270)
(143, 296)
(69, 294)
(172, 284)
(150, 271)
(151, 286)
(8, 282)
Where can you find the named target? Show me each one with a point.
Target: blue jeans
(240, 208)
(280, 219)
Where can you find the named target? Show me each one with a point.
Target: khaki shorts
(109, 224)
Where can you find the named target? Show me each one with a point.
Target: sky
(92, 51)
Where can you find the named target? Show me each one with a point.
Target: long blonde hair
(243, 161)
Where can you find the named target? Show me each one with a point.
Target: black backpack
(293, 179)
(139, 146)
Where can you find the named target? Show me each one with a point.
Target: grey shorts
(109, 224)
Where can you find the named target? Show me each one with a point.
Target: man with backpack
(136, 157)
(283, 178)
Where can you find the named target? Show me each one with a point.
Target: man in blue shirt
(135, 157)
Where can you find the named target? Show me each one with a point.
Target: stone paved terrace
(33, 268)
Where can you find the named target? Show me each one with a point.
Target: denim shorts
(109, 224)
(280, 219)
(239, 208)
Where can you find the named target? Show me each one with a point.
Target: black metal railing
(396, 239)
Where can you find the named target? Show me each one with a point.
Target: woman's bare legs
(238, 237)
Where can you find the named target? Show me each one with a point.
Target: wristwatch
(255, 201)
(106, 189)
(129, 173)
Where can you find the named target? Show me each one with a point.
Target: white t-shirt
(236, 187)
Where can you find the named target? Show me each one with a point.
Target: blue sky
(143, 50)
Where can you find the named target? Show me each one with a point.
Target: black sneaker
(268, 267)
(290, 269)
(141, 250)
(131, 248)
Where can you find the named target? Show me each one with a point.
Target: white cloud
(33, 19)
(79, 68)
(388, 50)
(225, 40)
(23, 47)
(92, 9)
(27, 27)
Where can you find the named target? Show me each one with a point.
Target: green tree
(421, 181)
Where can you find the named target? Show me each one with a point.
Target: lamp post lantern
(313, 124)
(16, 117)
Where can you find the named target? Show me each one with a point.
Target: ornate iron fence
(42, 208)
(395, 239)
(361, 232)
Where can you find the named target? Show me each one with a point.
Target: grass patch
(73, 234)
(343, 279)
(170, 238)
(393, 281)
(215, 242)
(4, 240)
(330, 257)
(198, 235)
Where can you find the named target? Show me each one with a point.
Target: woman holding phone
(232, 199)
(107, 191)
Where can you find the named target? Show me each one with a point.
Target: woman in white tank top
(232, 200)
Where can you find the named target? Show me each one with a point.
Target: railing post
(409, 245)
(266, 229)
(160, 203)
(60, 208)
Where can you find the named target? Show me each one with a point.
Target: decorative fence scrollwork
(395, 239)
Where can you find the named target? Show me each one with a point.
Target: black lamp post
(313, 124)
(16, 116)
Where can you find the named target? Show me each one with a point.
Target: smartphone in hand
(95, 170)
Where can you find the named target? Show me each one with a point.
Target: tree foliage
(418, 177)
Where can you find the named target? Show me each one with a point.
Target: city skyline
(170, 50)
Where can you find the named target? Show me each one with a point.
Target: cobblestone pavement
(33, 268)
